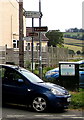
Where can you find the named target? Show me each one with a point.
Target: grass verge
(77, 101)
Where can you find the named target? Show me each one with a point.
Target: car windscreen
(30, 76)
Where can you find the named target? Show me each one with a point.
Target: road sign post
(40, 29)
(32, 34)
(33, 14)
(32, 44)
(40, 47)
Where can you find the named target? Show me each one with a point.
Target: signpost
(36, 14)
(40, 29)
(32, 34)
(36, 30)
(33, 14)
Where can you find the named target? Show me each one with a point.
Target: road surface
(22, 113)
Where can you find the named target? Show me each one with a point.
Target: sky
(57, 14)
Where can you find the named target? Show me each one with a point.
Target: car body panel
(54, 73)
(21, 86)
(81, 84)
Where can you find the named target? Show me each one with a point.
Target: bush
(71, 52)
(28, 64)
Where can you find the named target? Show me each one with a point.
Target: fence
(56, 54)
(50, 55)
(2, 54)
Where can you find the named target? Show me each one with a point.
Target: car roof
(55, 69)
(18, 68)
(77, 62)
(10, 66)
(81, 62)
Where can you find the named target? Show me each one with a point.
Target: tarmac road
(22, 113)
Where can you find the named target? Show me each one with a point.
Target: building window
(37, 46)
(28, 46)
(15, 43)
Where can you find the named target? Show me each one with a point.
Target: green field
(74, 44)
(74, 34)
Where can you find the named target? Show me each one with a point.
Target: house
(9, 37)
(9, 30)
(9, 33)
(28, 45)
(9, 26)
(9, 23)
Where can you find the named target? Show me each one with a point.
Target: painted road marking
(46, 116)
(15, 116)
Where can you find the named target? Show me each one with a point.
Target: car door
(13, 91)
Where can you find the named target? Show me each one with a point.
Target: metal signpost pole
(32, 43)
(36, 14)
(32, 14)
(40, 48)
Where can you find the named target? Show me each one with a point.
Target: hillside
(73, 44)
(74, 41)
(74, 35)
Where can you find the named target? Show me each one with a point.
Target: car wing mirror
(20, 81)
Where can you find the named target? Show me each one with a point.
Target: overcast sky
(57, 14)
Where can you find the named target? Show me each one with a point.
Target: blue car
(54, 73)
(21, 86)
(81, 76)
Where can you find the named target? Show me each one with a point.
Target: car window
(0, 73)
(30, 76)
(81, 67)
(10, 75)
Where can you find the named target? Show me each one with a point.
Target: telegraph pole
(21, 42)
(40, 47)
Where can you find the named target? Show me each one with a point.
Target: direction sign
(33, 14)
(32, 34)
(40, 29)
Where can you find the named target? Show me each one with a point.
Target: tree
(78, 52)
(71, 51)
(55, 37)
